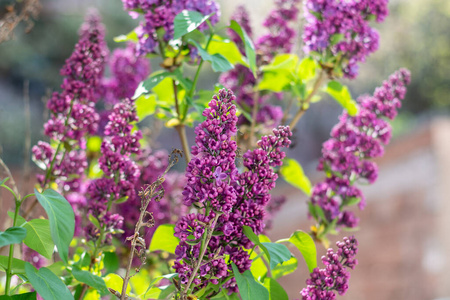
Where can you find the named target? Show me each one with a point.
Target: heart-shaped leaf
(39, 237)
(47, 284)
(62, 220)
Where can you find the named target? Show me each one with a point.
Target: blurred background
(405, 229)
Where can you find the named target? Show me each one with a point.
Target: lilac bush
(115, 207)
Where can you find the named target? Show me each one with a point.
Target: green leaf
(160, 292)
(276, 291)
(19, 221)
(3, 181)
(57, 268)
(18, 266)
(275, 81)
(293, 173)
(90, 279)
(47, 284)
(187, 21)
(248, 231)
(147, 85)
(155, 281)
(131, 36)
(94, 143)
(305, 244)
(352, 201)
(12, 235)
(186, 83)
(223, 295)
(62, 220)
(228, 49)
(39, 237)
(336, 38)
(342, 95)
(248, 44)
(307, 69)
(145, 106)
(279, 253)
(285, 62)
(111, 262)
(25, 296)
(258, 267)
(249, 288)
(218, 62)
(285, 268)
(164, 239)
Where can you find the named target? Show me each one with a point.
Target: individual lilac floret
(159, 18)
(338, 32)
(127, 71)
(120, 172)
(324, 282)
(354, 141)
(214, 155)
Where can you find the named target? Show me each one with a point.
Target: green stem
(302, 108)
(196, 77)
(11, 252)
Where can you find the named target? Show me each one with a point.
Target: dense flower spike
(159, 17)
(73, 115)
(335, 276)
(355, 140)
(127, 70)
(279, 39)
(120, 172)
(209, 173)
(215, 185)
(80, 89)
(340, 33)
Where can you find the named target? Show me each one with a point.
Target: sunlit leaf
(293, 173)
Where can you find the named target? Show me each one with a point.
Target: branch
(302, 108)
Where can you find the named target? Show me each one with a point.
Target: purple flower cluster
(215, 185)
(73, 114)
(282, 35)
(159, 17)
(340, 30)
(355, 140)
(80, 89)
(214, 155)
(120, 172)
(127, 70)
(335, 276)
(279, 39)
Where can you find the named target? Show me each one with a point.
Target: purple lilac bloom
(341, 29)
(214, 184)
(120, 172)
(159, 17)
(335, 276)
(279, 39)
(127, 71)
(74, 107)
(354, 141)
